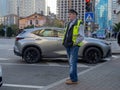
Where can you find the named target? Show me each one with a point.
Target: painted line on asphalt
(4, 59)
(44, 65)
(23, 86)
(82, 65)
(10, 49)
(6, 49)
(53, 64)
(114, 56)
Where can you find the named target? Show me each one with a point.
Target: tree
(15, 29)
(2, 32)
(9, 32)
(54, 22)
(30, 26)
(116, 27)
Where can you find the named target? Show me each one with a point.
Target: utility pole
(88, 8)
(93, 10)
(18, 15)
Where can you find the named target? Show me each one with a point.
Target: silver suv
(36, 43)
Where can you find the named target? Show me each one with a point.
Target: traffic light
(88, 6)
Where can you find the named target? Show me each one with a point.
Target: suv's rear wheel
(92, 55)
(31, 55)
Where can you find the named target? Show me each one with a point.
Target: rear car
(36, 43)
(101, 34)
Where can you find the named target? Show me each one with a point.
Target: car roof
(34, 29)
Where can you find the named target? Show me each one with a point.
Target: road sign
(89, 17)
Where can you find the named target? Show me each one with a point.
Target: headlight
(105, 42)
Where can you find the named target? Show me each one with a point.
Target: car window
(60, 33)
(36, 32)
(49, 33)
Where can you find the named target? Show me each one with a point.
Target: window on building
(30, 22)
(36, 22)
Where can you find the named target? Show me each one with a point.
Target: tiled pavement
(105, 76)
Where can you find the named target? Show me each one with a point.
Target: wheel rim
(93, 56)
(31, 56)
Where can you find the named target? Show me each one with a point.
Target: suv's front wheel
(31, 55)
(92, 55)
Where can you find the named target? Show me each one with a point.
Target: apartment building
(11, 7)
(118, 10)
(25, 7)
(2, 7)
(1, 20)
(114, 8)
(28, 7)
(64, 5)
(10, 19)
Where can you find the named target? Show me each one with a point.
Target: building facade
(35, 19)
(64, 5)
(114, 8)
(10, 19)
(11, 6)
(25, 7)
(28, 7)
(3, 10)
(118, 10)
(1, 20)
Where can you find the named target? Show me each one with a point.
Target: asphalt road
(18, 75)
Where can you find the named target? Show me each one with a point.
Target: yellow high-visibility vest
(75, 33)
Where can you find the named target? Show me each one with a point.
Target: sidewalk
(104, 76)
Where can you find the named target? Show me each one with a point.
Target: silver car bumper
(16, 51)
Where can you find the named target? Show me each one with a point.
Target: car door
(60, 50)
(48, 42)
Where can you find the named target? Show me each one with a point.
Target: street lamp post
(18, 15)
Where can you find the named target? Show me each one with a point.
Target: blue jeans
(72, 53)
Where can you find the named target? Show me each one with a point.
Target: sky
(52, 4)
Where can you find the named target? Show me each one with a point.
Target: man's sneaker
(69, 82)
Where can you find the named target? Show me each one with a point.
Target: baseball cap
(72, 11)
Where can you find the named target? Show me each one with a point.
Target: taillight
(19, 38)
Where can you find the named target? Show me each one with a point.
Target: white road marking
(23, 86)
(48, 63)
(53, 64)
(10, 49)
(114, 56)
(82, 65)
(4, 59)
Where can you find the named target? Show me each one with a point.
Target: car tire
(1, 83)
(31, 55)
(92, 55)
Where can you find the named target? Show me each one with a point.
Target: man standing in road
(72, 41)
